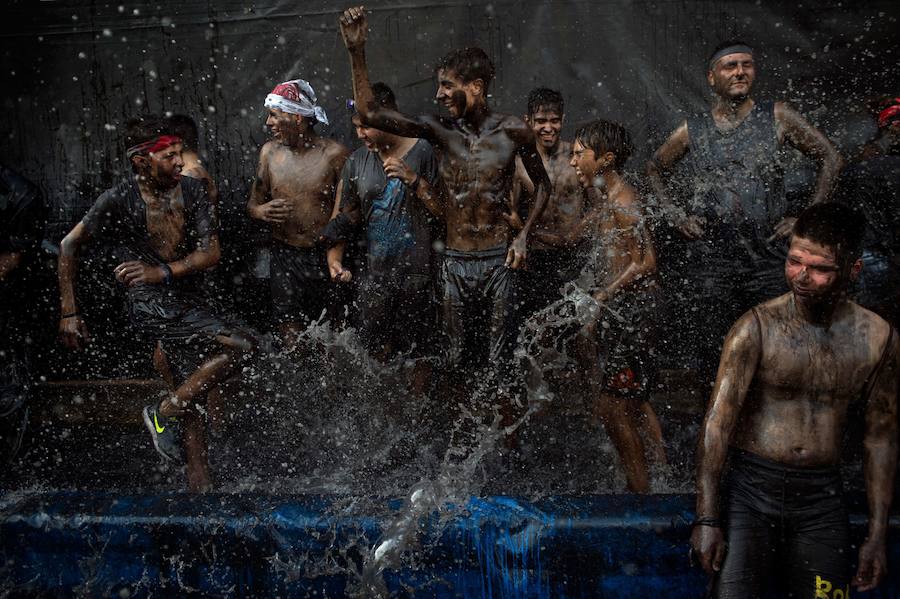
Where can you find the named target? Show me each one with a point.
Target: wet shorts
(626, 337)
(182, 323)
(300, 284)
(479, 293)
(786, 528)
(546, 272)
(397, 310)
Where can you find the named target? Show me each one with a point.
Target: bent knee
(238, 342)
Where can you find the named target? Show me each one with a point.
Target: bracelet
(707, 521)
(70, 315)
(168, 276)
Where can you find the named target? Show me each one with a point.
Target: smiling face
(372, 138)
(732, 76)
(286, 128)
(457, 96)
(546, 124)
(814, 272)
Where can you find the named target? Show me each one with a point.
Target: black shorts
(546, 272)
(397, 310)
(626, 340)
(183, 324)
(479, 292)
(787, 531)
(300, 284)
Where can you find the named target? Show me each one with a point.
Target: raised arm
(638, 244)
(659, 167)
(740, 356)
(534, 168)
(354, 28)
(880, 462)
(72, 330)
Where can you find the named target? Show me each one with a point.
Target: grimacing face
(163, 168)
(585, 162)
(813, 271)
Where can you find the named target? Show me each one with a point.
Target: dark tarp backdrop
(73, 72)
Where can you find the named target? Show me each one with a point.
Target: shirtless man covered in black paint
(294, 191)
(790, 370)
(557, 252)
(478, 149)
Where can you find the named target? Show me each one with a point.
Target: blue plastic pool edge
(253, 545)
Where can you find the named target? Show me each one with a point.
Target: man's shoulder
(119, 192)
(333, 148)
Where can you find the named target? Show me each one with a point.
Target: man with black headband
(166, 233)
(736, 220)
(791, 369)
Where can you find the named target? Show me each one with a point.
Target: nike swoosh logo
(159, 428)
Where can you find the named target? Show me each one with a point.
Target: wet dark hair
(384, 95)
(834, 225)
(605, 136)
(186, 128)
(544, 97)
(469, 64)
(146, 127)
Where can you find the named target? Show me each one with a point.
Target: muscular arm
(642, 256)
(354, 28)
(880, 462)
(259, 192)
(8, 262)
(534, 169)
(796, 130)
(73, 331)
(740, 357)
(204, 257)
(664, 159)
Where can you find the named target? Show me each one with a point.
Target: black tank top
(738, 181)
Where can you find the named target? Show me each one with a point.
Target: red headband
(153, 145)
(885, 116)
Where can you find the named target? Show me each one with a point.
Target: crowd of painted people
(475, 224)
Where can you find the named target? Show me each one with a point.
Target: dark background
(74, 72)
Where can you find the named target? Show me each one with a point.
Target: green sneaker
(166, 433)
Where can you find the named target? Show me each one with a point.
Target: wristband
(70, 315)
(168, 276)
(707, 521)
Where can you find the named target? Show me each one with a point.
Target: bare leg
(651, 431)
(290, 335)
(420, 378)
(196, 452)
(612, 412)
(210, 374)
